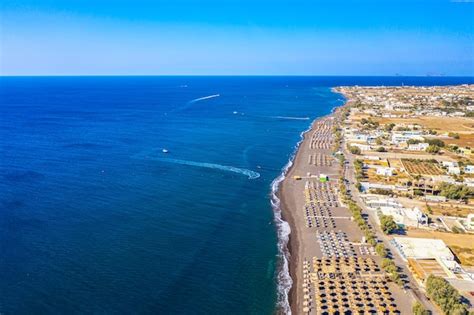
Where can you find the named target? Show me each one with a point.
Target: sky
(230, 37)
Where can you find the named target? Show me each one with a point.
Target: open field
(440, 124)
(461, 244)
(376, 162)
(419, 167)
(452, 210)
(465, 255)
(465, 140)
(372, 177)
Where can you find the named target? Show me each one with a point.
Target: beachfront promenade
(333, 269)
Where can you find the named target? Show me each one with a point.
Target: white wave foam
(243, 171)
(203, 98)
(283, 231)
(290, 118)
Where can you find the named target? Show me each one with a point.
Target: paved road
(412, 289)
(419, 156)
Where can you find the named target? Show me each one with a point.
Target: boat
(165, 151)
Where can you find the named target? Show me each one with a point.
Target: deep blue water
(95, 218)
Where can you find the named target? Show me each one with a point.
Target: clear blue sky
(313, 37)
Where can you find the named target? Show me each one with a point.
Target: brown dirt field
(461, 240)
(465, 140)
(392, 180)
(465, 255)
(440, 124)
(373, 162)
(451, 210)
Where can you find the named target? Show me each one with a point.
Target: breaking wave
(283, 231)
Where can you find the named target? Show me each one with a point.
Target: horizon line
(232, 75)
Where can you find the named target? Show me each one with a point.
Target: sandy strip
(291, 197)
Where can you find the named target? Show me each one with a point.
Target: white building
(469, 169)
(366, 186)
(401, 215)
(404, 136)
(418, 146)
(385, 171)
(470, 221)
(454, 170)
(434, 198)
(449, 164)
(427, 248)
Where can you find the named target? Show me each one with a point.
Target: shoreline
(289, 244)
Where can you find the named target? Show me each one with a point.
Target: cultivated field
(422, 167)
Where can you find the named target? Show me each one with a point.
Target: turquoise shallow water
(96, 218)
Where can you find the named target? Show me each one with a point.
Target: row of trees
(445, 296)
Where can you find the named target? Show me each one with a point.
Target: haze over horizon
(237, 37)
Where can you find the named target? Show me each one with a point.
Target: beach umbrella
(306, 309)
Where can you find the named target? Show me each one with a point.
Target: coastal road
(419, 156)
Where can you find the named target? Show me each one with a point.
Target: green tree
(436, 142)
(355, 150)
(389, 127)
(433, 149)
(387, 224)
(453, 191)
(453, 135)
(380, 250)
(418, 309)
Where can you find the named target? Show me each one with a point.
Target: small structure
(434, 198)
(449, 164)
(418, 146)
(385, 171)
(454, 170)
(470, 221)
(323, 178)
(403, 137)
(469, 169)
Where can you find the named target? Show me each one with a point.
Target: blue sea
(96, 218)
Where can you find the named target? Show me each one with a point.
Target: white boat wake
(203, 98)
(243, 171)
(290, 118)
